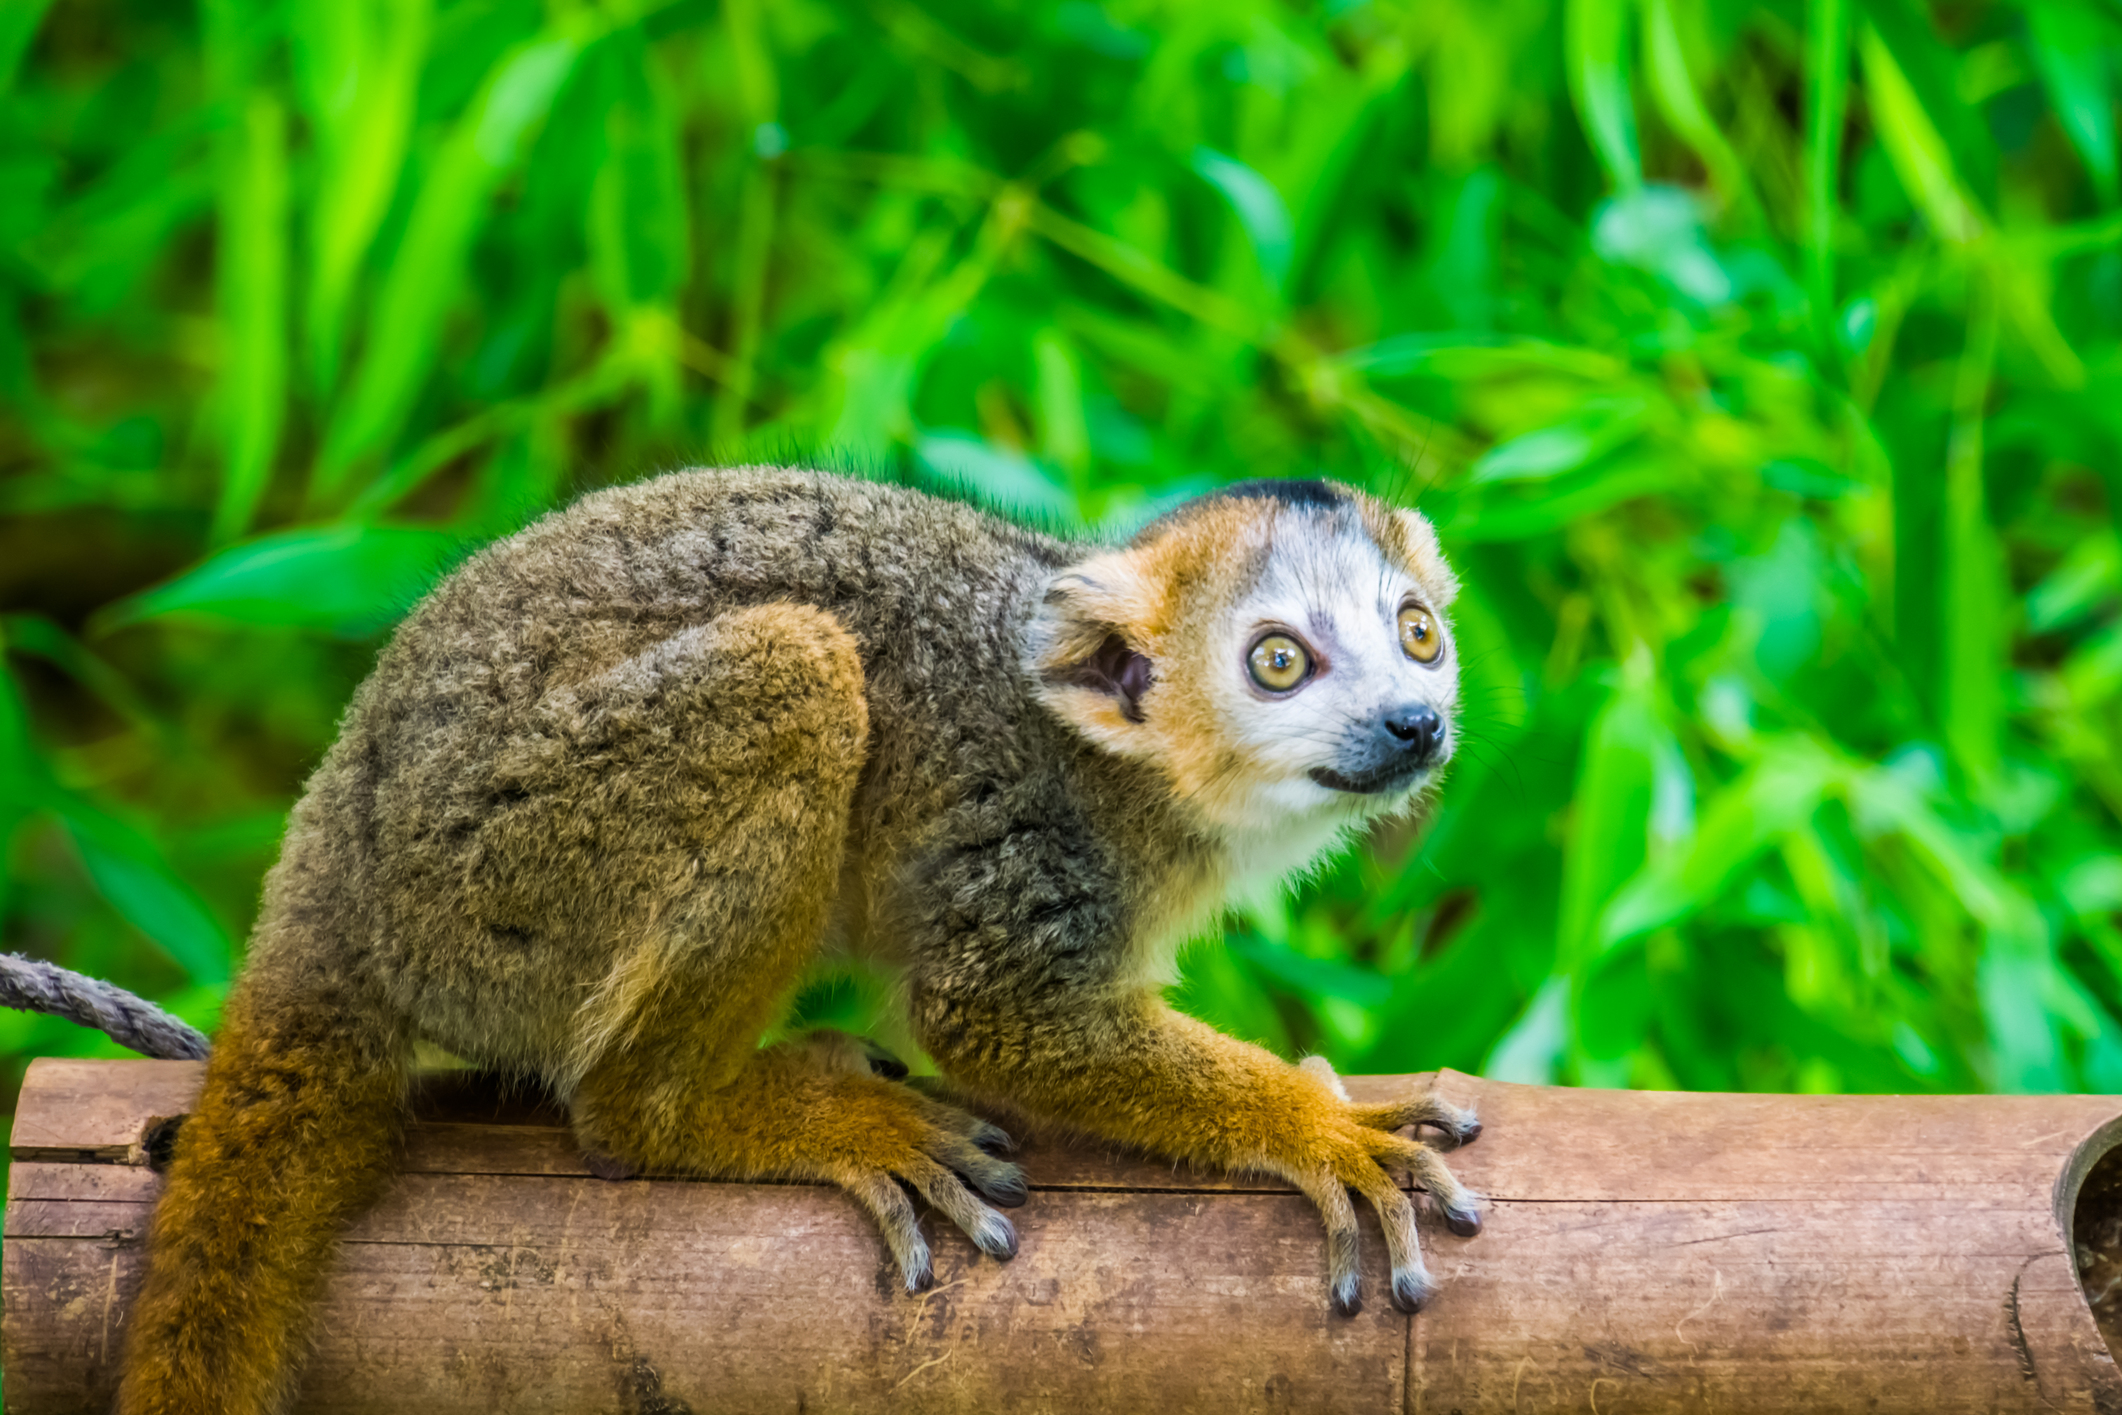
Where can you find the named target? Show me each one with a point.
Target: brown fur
(623, 775)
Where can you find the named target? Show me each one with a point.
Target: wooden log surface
(1644, 1252)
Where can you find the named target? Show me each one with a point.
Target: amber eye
(1418, 634)
(1279, 663)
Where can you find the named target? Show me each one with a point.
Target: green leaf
(19, 20)
(1595, 45)
(1315, 977)
(347, 580)
(1912, 141)
(359, 64)
(253, 288)
(1681, 104)
(1532, 1049)
(2089, 577)
(1259, 208)
(1618, 800)
(1826, 113)
(1566, 498)
(639, 231)
(1737, 825)
(1659, 229)
(2074, 47)
(427, 269)
(1008, 481)
(1594, 428)
(135, 879)
(2015, 982)
(1611, 1006)
(36, 635)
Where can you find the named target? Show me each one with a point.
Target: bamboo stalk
(1645, 1251)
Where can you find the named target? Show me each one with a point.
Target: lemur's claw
(1010, 1191)
(1453, 1133)
(997, 1238)
(922, 1278)
(1410, 1291)
(1465, 1223)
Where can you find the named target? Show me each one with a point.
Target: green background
(1758, 363)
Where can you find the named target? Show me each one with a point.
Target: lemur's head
(1278, 648)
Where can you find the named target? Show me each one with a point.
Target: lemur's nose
(1416, 729)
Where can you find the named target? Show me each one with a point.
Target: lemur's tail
(292, 1135)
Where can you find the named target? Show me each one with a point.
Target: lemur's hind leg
(738, 744)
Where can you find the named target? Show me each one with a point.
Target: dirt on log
(1644, 1252)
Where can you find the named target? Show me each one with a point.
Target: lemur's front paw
(1343, 1146)
(945, 1155)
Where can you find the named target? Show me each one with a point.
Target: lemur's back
(447, 735)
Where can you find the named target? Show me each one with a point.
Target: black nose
(1416, 729)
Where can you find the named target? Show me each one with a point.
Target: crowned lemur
(621, 776)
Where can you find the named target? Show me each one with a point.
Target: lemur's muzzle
(1405, 740)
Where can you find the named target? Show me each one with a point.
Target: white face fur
(1328, 604)
(1259, 648)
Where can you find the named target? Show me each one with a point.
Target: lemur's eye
(1418, 634)
(1279, 663)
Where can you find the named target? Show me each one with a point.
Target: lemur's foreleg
(763, 708)
(1138, 1073)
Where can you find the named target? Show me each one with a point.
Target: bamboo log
(1645, 1252)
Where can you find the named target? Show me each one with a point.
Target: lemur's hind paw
(941, 1153)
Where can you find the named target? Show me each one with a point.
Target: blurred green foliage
(1758, 362)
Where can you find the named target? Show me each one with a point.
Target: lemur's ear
(1418, 542)
(1091, 665)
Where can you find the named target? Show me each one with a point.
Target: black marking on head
(1301, 492)
(1115, 668)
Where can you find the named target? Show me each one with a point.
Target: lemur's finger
(991, 1138)
(1460, 1205)
(991, 1233)
(1344, 1272)
(894, 1212)
(1001, 1181)
(945, 1116)
(1460, 1125)
(1412, 1284)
